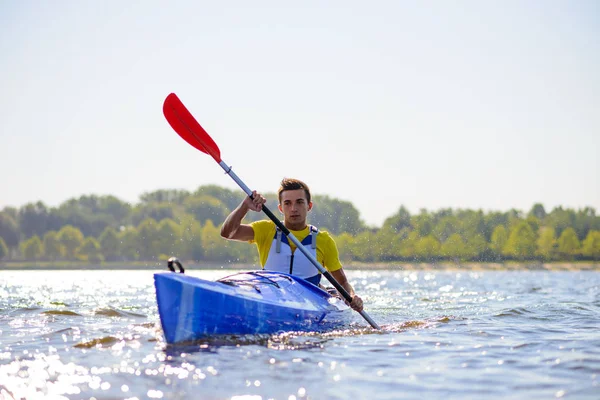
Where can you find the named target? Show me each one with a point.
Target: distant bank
(162, 265)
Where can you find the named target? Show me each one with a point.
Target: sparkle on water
(96, 334)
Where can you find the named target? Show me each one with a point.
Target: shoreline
(158, 266)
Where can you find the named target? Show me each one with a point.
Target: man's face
(294, 206)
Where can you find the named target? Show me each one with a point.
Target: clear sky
(463, 104)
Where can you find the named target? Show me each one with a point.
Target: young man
(276, 253)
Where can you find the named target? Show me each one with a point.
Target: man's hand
(357, 303)
(256, 202)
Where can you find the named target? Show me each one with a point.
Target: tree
(215, 247)
(205, 208)
(591, 245)
(170, 237)
(229, 197)
(521, 241)
(336, 216)
(33, 219)
(407, 251)
(447, 226)
(568, 243)
(53, 248)
(493, 220)
(90, 250)
(422, 223)
(71, 238)
(9, 230)
(534, 222)
(345, 242)
(148, 240)
(165, 196)
(499, 239)
(399, 221)
(109, 244)
(584, 222)
(155, 211)
(32, 248)
(454, 247)
(476, 247)
(191, 236)
(560, 219)
(128, 243)
(3, 249)
(363, 248)
(546, 243)
(388, 244)
(427, 248)
(538, 211)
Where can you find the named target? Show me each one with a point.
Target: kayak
(255, 302)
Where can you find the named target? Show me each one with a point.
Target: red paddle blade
(186, 126)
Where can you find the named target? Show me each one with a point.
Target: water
(493, 335)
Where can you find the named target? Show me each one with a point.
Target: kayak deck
(253, 302)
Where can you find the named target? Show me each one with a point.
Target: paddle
(186, 126)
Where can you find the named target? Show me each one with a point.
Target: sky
(488, 105)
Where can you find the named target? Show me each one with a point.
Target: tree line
(186, 224)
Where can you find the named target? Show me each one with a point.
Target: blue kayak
(254, 302)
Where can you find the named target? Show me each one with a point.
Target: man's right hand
(256, 202)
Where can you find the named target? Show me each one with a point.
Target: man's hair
(293, 184)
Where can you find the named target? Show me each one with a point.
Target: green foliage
(230, 198)
(148, 244)
(476, 247)
(170, 238)
(154, 211)
(398, 221)
(345, 243)
(363, 248)
(568, 243)
(71, 238)
(427, 248)
(422, 223)
(3, 249)
(9, 230)
(109, 244)
(204, 208)
(215, 247)
(560, 220)
(336, 216)
(90, 250)
(521, 242)
(408, 247)
(175, 222)
(537, 211)
(446, 227)
(591, 245)
(499, 239)
(191, 236)
(546, 243)
(454, 248)
(128, 243)
(33, 219)
(164, 196)
(32, 248)
(90, 214)
(53, 248)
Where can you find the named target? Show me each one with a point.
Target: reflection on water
(96, 334)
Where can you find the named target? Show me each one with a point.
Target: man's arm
(232, 228)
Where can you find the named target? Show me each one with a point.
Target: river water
(462, 335)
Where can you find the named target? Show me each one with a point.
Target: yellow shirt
(327, 252)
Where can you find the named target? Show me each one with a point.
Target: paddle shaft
(186, 126)
(298, 244)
